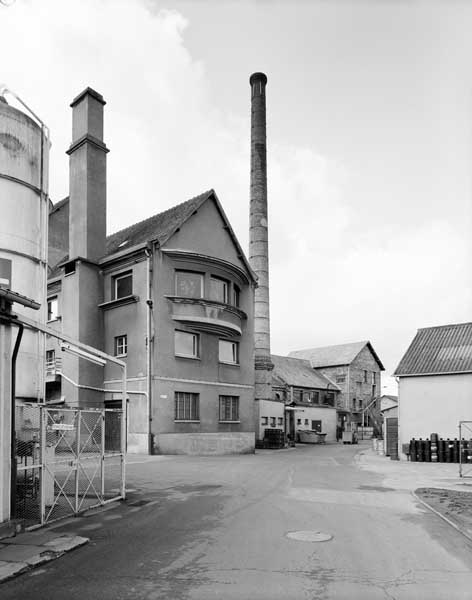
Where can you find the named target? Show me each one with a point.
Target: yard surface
(307, 523)
(455, 505)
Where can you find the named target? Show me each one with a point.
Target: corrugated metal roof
(298, 372)
(333, 356)
(435, 350)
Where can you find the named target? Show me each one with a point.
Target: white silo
(24, 157)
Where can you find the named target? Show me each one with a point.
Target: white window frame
(116, 279)
(53, 300)
(235, 352)
(225, 283)
(124, 346)
(195, 344)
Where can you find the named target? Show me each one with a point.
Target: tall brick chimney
(258, 237)
(87, 183)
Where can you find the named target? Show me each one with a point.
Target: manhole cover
(309, 536)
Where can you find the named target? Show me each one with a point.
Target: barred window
(229, 408)
(187, 406)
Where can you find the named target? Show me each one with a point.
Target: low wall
(206, 444)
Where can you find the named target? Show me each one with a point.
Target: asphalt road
(227, 527)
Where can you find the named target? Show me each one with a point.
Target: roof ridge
(444, 326)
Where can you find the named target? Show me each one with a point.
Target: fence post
(460, 448)
(43, 415)
(77, 475)
(103, 454)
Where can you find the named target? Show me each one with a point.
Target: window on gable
(122, 285)
(52, 309)
(189, 284)
(228, 352)
(187, 344)
(219, 290)
(236, 295)
(229, 408)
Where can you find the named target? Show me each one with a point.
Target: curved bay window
(189, 284)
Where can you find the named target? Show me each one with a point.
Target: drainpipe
(149, 342)
(13, 422)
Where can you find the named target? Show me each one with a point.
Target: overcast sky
(369, 141)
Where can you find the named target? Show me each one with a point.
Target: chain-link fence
(68, 460)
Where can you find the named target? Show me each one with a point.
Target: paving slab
(66, 543)
(11, 569)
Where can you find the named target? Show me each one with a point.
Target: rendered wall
(327, 416)
(433, 404)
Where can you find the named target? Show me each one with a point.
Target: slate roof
(298, 372)
(159, 227)
(438, 350)
(334, 356)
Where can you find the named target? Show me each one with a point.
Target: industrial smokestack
(258, 237)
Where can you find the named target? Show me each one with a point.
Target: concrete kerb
(403, 470)
(17, 558)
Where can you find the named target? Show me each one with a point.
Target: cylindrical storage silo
(24, 153)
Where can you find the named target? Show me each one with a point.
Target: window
(315, 397)
(52, 309)
(228, 352)
(329, 398)
(299, 421)
(306, 421)
(187, 344)
(340, 378)
(122, 285)
(316, 426)
(360, 403)
(187, 406)
(69, 268)
(373, 378)
(272, 421)
(365, 376)
(297, 395)
(189, 284)
(236, 295)
(354, 403)
(229, 408)
(50, 360)
(121, 345)
(264, 420)
(280, 421)
(219, 290)
(374, 388)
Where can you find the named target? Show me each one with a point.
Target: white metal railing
(53, 366)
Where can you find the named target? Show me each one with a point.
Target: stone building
(173, 296)
(307, 399)
(356, 370)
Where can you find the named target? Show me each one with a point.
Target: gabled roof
(438, 350)
(298, 372)
(161, 227)
(335, 356)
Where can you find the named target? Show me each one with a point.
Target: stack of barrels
(437, 449)
(274, 438)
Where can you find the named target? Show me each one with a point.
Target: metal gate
(391, 432)
(67, 460)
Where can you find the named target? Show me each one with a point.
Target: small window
(219, 289)
(69, 268)
(374, 389)
(365, 376)
(52, 309)
(121, 345)
(229, 409)
(189, 284)
(340, 378)
(306, 421)
(50, 360)
(360, 403)
(122, 285)
(298, 395)
(316, 426)
(272, 421)
(187, 344)
(299, 421)
(187, 406)
(329, 398)
(354, 404)
(264, 420)
(236, 295)
(280, 420)
(315, 397)
(373, 378)
(228, 352)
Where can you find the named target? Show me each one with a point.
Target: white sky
(369, 141)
